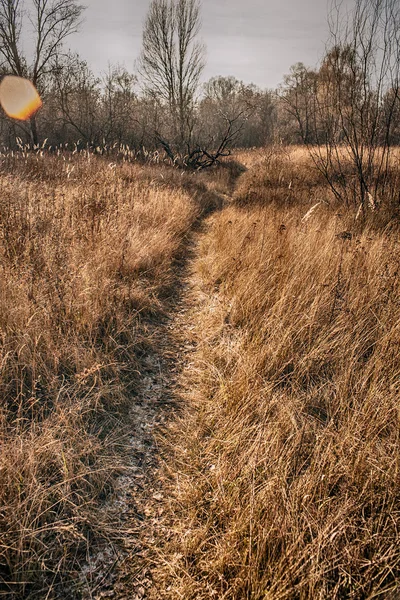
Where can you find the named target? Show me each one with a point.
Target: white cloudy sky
(254, 40)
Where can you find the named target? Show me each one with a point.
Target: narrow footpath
(124, 570)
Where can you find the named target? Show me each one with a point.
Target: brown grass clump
(285, 476)
(286, 175)
(281, 175)
(86, 248)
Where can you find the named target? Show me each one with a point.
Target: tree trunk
(34, 131)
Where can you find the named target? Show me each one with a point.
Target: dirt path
(123, 570)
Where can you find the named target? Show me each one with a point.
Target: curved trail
(123, 570)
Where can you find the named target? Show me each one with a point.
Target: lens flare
(19, 98)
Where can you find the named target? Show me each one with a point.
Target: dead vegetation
(284, 464)
(281, 465)
(87, 248)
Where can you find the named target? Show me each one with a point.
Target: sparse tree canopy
(351, 103)
(172, 58)
(52, 22)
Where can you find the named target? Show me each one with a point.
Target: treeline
(352, 99)
(161, 106)
(80, 108)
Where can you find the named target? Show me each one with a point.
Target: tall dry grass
(87, 249)
(296, 175)
(284, 465)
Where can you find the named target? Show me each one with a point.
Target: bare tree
(172, 59)
(119, 105)
(297, 97)
(364, 66)
(228, 99)
(171, 64)
(52, 21)
(353, 103)
(74, 102)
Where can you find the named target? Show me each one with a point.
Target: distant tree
(73, 103)
(172, 59)
(52, 22)
(361, 81)
(297, 95)
(222, 102)
(346, 112)
(171, 64)
(222, 89)
(119, 103)
(252, 111)
(391, 114)
(260, 126)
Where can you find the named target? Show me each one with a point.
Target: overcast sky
(254, 40)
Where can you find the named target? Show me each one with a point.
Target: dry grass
(287, 175)
(87, 248)
(285, 462)
(281, 175)
(283, 465)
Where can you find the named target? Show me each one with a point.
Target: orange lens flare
(19, 98)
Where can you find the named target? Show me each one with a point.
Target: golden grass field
(284, 476)
(86, 252)
(281, 466)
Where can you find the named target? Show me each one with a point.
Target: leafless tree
(74, 101)
(252, 110)
(364, 68)
(52, 22)
(172, 58)
(119, 105)
(297, 98)
(354, 102)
